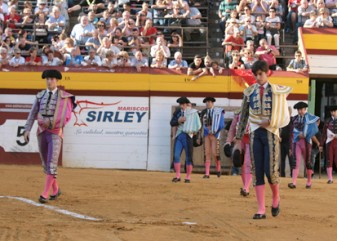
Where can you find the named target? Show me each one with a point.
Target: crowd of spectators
(108, 33)
(127, 32)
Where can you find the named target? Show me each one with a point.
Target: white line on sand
(55, 209)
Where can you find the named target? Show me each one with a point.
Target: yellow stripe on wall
(320, 41)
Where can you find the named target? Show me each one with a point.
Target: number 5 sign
(12, 139)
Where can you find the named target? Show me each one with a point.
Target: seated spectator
(234, 42)
(260, 24)
(110, 61)
(93, 42)
(298, 64)
(41, 31)
(96, 6)
(273, 25)
(27, 20)
(4, 11)
(178, 62)
(106, 45)
(208, 63)
(119, 39)
(127, 30)
(197, 68)
(159, 9)
(159, 61)
(135, 41)
(259, 8)
(101, 26)
(311, 22)
(63, 7)
(105, 18)
(73, 59)
(92, 19)
(268, 53)
(334, 17)
(68, 47)
(225, 8)
(8, 34)
(319, 4)
(92, 59)
(160, 47)
(232, 21)
(324, 20)
(236, 63)
(248, 58)
(292, 15)
(124, 19)
(176, 42)
(56, 22)
(127, 7)
(139, 61)
(41, 7)
(148, 31)
(248, 30)
(278, 7)
(303, 12)
(8, 45)
(123, 59)
(175, 15)
(145, 10)
(112, 26)
(23, 44)
(247, 14)
(4, 57)
(141, 20)
(12, 18)
(82, 31)
(17, 60)
(193, 20)
(33, 59)
(216, 68)
(232, 25)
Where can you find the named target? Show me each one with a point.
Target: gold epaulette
(248, 91)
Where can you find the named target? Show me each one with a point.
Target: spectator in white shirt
(82, 31)
(110, 60)
(160, 46)
(178, 62)
(273, 25)
(139, 61)
(56, 21)
(51, 60)
(324, 20)
(311, 22)
(3, 10)
(17, 60)
(92, 59)
(4, 58)
(123, 59)
(41, 7)
(106, 45)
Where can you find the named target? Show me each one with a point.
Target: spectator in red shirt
(33, 59)
(233, 42)
(148, 31)
(12, 18)
(267, 53)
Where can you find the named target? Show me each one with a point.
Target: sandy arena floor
(138, 206)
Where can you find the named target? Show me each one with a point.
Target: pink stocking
(207, 167)
(188, 172)
(49, 182)
(309, 174)
(177, 169)
(329, 172)
(260, 198)
(55, 187)
(276, 194)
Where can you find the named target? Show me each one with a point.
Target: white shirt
(21, 61)
(4, 11)
(53, 91)
(155, 48)
(54, 62)
(96, 60)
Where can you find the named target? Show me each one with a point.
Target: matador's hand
(26, 136)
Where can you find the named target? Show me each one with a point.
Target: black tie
(49, 97)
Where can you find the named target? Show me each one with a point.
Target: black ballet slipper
(275, 211)
(54, 197)
(259, 216)
(43, 199)
(176, 179)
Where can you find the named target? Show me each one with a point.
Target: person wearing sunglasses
(17, 60)
(298, 64)
(258, 107)
(273, 25)
(248, 30)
